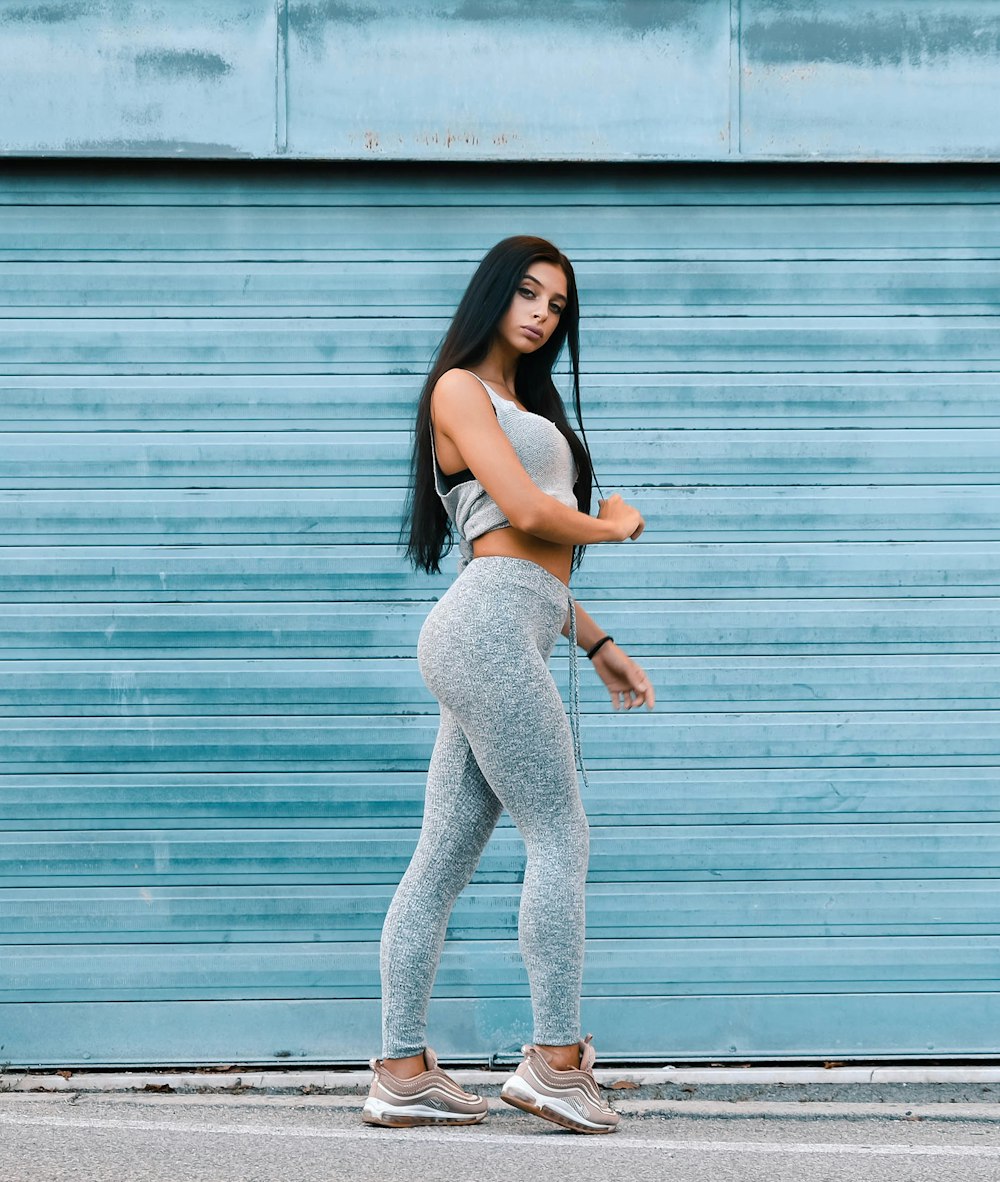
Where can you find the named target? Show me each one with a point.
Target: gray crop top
(542, 449)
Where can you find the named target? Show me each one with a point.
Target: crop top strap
(492, 393)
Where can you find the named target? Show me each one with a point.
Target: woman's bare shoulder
(456, 393)
(463, 379)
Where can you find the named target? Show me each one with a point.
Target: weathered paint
(860, 33)
(213, 733)
(146, 79)
(504, 81)
(583, 80)
(897, 79)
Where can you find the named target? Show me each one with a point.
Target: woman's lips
(534, 333)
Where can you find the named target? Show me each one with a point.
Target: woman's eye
(529, 294)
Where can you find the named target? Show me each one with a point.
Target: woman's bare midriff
(556, 557)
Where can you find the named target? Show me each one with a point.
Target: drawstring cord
(574, 694)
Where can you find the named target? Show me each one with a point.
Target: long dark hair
(466, 344)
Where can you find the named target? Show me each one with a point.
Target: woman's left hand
(626, 679)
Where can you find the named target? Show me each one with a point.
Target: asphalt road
(164, 1138)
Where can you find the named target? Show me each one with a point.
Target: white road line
(463, 1137)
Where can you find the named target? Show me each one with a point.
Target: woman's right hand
(624, 518)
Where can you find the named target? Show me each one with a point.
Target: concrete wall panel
(138, 78)
(583, 80)
(911, 80)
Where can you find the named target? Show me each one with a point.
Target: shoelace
(574, 694)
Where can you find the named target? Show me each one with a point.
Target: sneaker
(569, 1098)
(430, 1098)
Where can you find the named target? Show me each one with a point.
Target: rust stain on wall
(448, 139)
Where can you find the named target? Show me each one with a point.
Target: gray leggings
(504, 742)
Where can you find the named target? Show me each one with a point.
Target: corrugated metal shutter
(214, 732)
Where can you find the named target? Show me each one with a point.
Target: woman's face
(534, 312)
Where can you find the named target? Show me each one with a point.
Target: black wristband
(603, 640)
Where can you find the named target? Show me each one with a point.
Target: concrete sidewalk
(941, 1091)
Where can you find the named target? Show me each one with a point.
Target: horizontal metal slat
(382, 401)
(316, 517)
(365, 571)
(178, 800)
(654, 853)
(97, 182)
(343, 574)
(862, 1024)
(493, 968)
(158, 687)
(435, 225)
(725, 286)
(293, 342)
(331, 914)
(205, 182)
(339, 630)
(632, 454)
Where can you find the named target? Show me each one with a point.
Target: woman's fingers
(633, 696)
(633, 689)
(643, 692)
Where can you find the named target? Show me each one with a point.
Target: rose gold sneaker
(430, 1098)
(568, 1098)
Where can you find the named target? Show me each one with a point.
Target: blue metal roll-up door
(213, 730)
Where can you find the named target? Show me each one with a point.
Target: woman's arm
(626, 680)
(461, 410)
(588, 631)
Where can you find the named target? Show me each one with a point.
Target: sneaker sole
(389, 1116)
(520, 1094)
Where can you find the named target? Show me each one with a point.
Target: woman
(495, 457)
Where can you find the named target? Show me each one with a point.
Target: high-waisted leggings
(504, 742)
